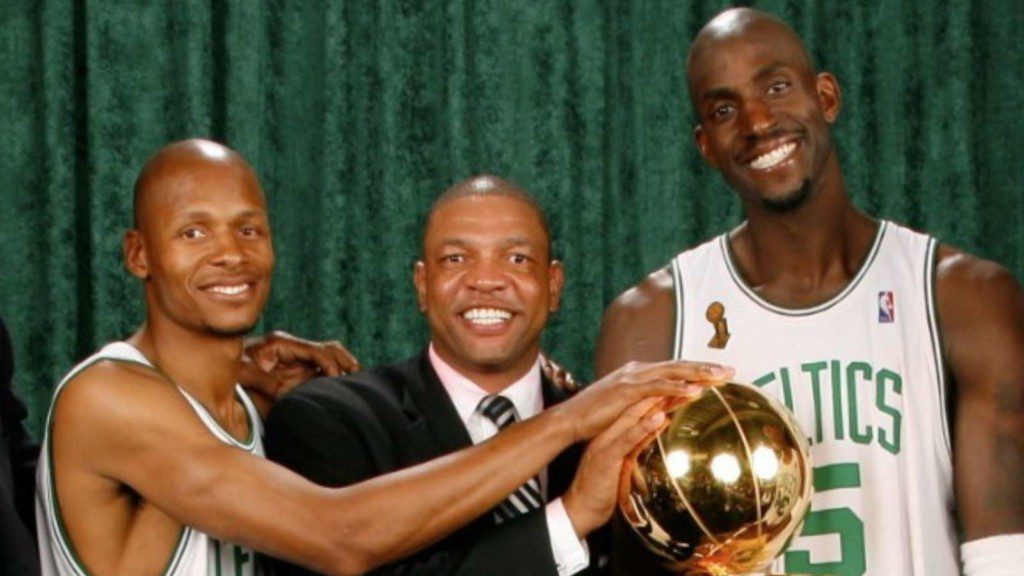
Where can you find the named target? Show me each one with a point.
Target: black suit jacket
(339, 431)
(18, 555)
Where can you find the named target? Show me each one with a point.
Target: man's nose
(758, 118)
(487, 276)
(229, 250)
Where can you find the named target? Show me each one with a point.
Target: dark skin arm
(325, 440)
(244, 499)
(638, 325)
(981, 318)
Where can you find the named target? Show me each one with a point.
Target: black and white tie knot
(500, 410)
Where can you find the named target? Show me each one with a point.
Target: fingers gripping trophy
(723, 487)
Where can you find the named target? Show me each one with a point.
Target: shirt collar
(524, 393)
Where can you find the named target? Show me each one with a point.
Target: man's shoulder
(638, 325)
(648, 302)
(375, 390)
(958, 269)
(966, 285)
(114, 390)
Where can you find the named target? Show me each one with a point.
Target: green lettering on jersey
(765, 380)
(884, 379)
(814, 369)
(859, 436)
(842, 522)
(216, 558)
(242, 557)
(837, 401)
(787, 390)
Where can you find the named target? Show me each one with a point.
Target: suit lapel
(439, 421)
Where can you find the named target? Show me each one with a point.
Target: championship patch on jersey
(716, 316)
(886, 308)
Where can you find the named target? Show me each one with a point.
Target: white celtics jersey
(863, 375)
(195, 554)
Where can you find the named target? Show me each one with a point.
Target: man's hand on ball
(595, 407)
(590, 500)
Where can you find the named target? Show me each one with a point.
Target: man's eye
(193, 233)
(251, 231)
(454, 258)
(722, 112)
(518, 259)
(779, 87)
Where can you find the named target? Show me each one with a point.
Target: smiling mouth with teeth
(773, 158)
(229, 290)
(487, 316)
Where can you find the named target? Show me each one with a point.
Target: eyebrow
(769, 69)
(509, 242)
(205, 215)
(723, 92)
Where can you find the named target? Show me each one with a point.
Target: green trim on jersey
(179, 551)
(861, 272)
(228, 438)
(935, 336)
(677, 282)
(64, 543)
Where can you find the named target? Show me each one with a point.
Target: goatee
(788, 202)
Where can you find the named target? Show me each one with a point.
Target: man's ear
(419, 278)
(133, 247)
(556, 280)
(829, 96)
(701, 138)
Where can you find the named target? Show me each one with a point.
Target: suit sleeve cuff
(571, 554)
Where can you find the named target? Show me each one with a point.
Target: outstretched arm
(328, 434)
(174, 463)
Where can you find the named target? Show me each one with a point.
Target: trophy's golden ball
(723, 487)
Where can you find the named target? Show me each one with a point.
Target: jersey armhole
(946, 401)
(677, 286)
(65, 547)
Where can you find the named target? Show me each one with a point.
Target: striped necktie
(527, 497)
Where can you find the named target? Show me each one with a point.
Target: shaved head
(201, 242)
(735, 24)
(177, 165)
(488, 185)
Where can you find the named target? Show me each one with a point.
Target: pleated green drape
(358, 113)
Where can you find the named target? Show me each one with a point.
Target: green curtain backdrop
(358, 113)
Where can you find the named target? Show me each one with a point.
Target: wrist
(583, 522)
(562, 428)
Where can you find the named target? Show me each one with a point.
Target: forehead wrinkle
(507, 242)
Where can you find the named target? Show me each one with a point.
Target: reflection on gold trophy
(724, 486)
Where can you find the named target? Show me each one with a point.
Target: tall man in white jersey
(902, 359)
(151, 458)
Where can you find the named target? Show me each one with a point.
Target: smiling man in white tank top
(902, 358)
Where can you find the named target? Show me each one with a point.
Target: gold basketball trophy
(723, 488)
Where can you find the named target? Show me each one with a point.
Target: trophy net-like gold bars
(723, 487)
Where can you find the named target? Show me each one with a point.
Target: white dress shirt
(571, 553)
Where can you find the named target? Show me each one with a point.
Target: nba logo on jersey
(886, 308)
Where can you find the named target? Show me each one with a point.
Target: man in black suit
(486, 284)
(18, 555)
